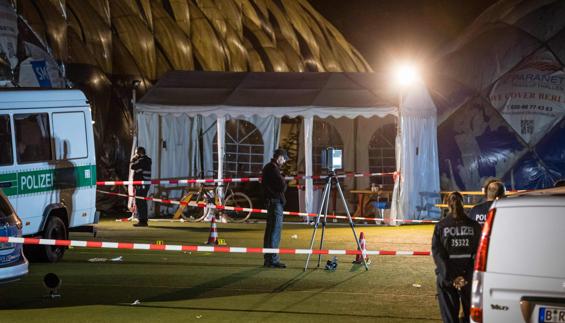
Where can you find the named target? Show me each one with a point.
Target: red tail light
(481, 257)
(480, 268)
(477, 314)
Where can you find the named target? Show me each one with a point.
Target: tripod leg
(326, 190)
(351, 223)
(324, 221)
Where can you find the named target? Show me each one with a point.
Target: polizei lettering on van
(36, 182)
(28, 182)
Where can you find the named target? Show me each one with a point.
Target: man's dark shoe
(140, 224)
(277, 265)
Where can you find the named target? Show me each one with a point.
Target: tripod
(323, 213)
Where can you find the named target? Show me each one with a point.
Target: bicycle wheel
(195, 213)
(237, 199)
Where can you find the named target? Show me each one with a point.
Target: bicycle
(207, 195)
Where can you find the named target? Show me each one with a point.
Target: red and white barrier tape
(263, 211)
(148, 246)
(230, 180)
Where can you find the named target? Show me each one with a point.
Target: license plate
(551, 315)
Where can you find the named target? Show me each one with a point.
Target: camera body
(332, 159)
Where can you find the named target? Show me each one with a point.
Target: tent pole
(309, 192)
(221, 133)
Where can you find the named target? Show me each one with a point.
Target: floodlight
(406, 74)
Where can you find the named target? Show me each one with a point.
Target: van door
(35, 178)
(73, 169)
(8, 176)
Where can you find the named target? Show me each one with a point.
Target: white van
(520, 265)
(48, 163)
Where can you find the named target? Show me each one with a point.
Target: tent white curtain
(418, 185)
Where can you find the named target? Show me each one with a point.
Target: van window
(33, 140)
(69, 130)
(6, 152)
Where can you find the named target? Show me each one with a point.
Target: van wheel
(54, 229)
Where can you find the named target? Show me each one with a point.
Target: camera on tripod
(332, 159)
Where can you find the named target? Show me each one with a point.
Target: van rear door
(526, 259)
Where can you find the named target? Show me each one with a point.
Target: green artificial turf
(188, 287)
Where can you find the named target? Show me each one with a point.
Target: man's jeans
(273, 230)
(140, 204)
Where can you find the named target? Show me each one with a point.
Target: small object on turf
(294, 236)
(136, 302)
(331, 265)
(52, 282)
(97, 260)
(222, 242)
(117, 259)
(416, 285)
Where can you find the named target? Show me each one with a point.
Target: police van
(48, 163)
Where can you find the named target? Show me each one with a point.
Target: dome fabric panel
(507, 68)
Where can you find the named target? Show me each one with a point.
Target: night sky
(399, 29)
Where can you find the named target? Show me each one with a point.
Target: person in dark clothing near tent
(274, 187)
(454, 244)
(493, 189)
(141, 166)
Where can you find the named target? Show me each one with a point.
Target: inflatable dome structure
(500, 94)
(103, 46)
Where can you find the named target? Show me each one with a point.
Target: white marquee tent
(184, 104)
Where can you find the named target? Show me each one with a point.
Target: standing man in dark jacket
(274, 187)
(454, 244)
(141, 166)
(493, 189)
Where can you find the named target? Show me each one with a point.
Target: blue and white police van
(48, 163)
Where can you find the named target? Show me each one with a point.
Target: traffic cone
(359, 257)
(213, 237)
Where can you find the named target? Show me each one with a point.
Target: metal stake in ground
(323, 211)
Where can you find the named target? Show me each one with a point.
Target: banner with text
(531, 98)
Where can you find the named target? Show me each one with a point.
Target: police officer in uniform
(274, 187)
(454, 244)
(141, 166)
(493, 189)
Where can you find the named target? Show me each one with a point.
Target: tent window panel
(382, 154)
(324, 136)
(244, 149)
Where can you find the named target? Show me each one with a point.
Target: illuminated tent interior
(185, 104)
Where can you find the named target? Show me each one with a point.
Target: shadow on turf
(348, 315)
(203, 229)
(215, 286)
